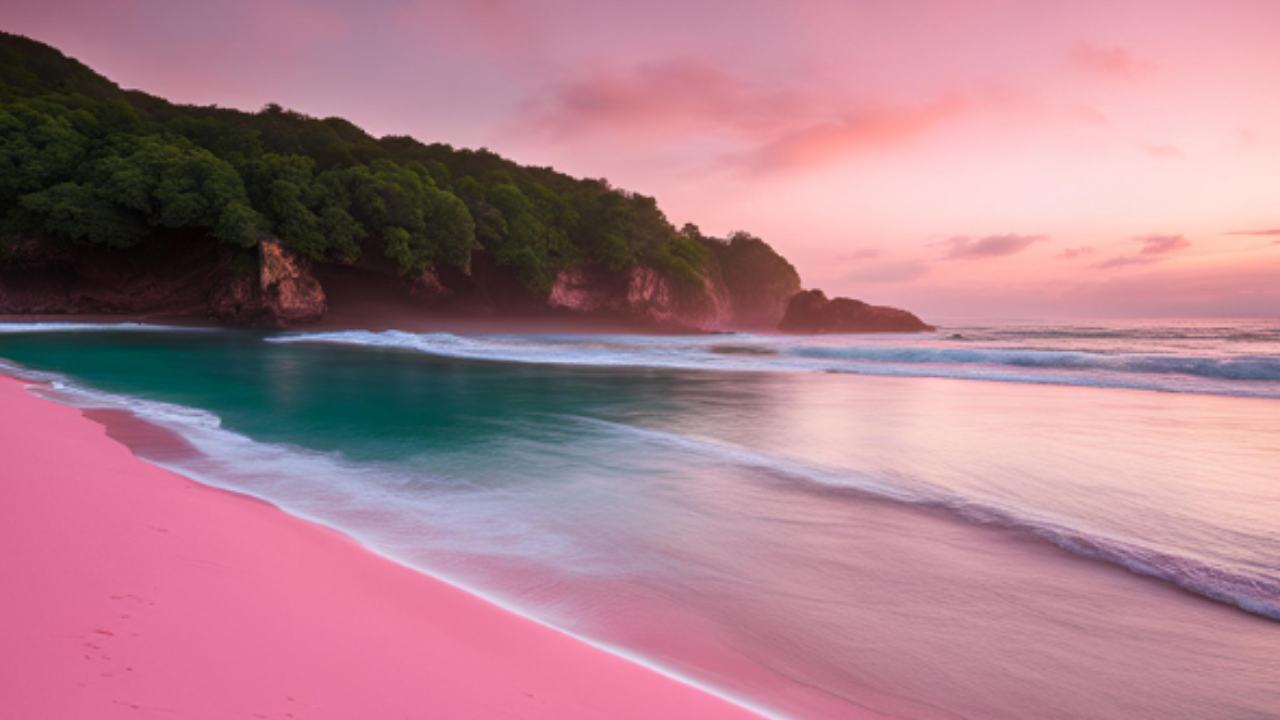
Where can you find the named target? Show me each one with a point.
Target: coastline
(459, 323)
(137, 592)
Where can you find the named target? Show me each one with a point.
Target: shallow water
(1020, 532)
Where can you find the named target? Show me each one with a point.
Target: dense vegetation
(83, 160)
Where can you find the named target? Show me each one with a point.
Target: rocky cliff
(171, 277)
(759, 281)
(140, 206)
(811, 312)
(645, 296)
(202, 279)
(288, 292)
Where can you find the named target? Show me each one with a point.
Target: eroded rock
(290, 293)
(810, 311)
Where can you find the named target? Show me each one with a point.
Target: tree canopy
(82, 160)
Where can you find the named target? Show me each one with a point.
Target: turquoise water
(1067, 521)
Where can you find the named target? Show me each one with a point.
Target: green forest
(82, 160)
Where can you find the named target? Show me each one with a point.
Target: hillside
(117, 201)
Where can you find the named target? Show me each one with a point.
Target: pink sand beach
(129, 591)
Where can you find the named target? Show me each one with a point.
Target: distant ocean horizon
(1002, 520)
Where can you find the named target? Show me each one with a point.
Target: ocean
(1003, 521)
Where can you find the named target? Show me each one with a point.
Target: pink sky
(989, 158)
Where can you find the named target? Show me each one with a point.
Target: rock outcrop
(236, 299)
(177, 276)
(290, 293)
(810, 311)
(172, 277)
(169, 276)
(759, 280)
(642, 295)
(427, 287)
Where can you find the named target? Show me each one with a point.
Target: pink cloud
(963, 247)
(1162, 151)
(1154, 249)
(1255, 233)
(828, 142)
(1108, 61)
(667, 97)
(1162, 244)
(867, 253)
(897, 271)
(1075, 252)
(776, 130)
(1240, 288)
(1126, 261)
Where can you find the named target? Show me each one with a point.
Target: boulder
(810, 311)
(290, 293)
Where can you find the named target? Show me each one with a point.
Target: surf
(1248, 374)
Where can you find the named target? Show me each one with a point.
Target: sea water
(1013, 521)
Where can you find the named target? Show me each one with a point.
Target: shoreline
(459, 323)
(135, 591)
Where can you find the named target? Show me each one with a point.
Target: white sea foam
(1254, 592)
(1242, 374)
(55, 327)
(384, 507)
(383, 504)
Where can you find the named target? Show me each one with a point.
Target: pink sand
(128, 591)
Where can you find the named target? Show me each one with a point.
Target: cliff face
(480, 234)
(642, 295)
(173, 277)
(41, 277)
(811, 312)
(186, 277)
(289, 293)
(758, 279)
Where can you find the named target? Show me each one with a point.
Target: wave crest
(1250, 375)
(1255, 593)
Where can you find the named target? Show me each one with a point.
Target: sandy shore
(128, 591)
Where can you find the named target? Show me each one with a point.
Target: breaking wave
(1253, 374)
(1253, 592)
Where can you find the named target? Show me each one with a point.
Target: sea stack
(810, 311)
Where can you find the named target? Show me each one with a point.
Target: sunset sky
(989, 158)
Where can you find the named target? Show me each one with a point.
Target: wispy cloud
(1109, 61)
(1126, 261)
(963, 247)
(769, 129)
(870, 129)
(868, 253)
(1075, 252)
(1162, 244)
(889, 272)
(672, 96)
(1154, 249)
(1255, 233)
(1162, 151)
